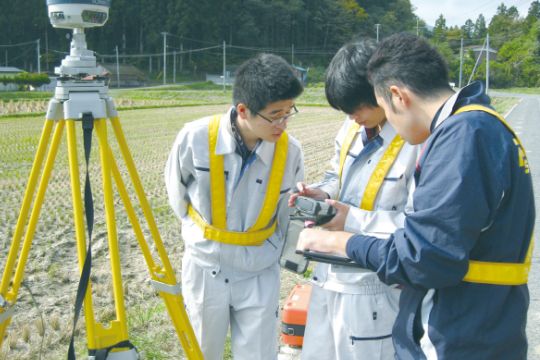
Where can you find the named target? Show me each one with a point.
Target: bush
(316, 74)
(25, 79)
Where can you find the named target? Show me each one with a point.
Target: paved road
(525, 119)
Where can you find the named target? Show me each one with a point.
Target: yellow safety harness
(260, 230)
(499, 273)
(377, 176)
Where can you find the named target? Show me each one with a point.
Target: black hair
(347, 86)
(264, 79)
(410, 61)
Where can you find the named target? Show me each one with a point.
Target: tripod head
(80, 87)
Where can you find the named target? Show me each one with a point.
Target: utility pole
(117, 69)
(181, 57)
(38, 56)
(460, 63)
(476, 63)
(164, 57)
(224, 64)
(417, 28)
(292, 54)
(174, 67)
(46, 51)
(487, 62)
(124, 45)
(377, 25)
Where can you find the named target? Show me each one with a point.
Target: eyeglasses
(282, 119)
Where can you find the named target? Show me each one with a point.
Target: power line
(128, 56)
(24, 53)
(483, 5)
(19, 44)
(190, 39)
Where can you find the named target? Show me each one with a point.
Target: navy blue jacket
(473, 201)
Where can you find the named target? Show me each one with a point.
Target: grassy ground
(35, 103)
(51, 269)
(532, 91)
(51, 273)
(504, 104)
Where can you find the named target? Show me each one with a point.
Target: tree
(517, 62)
(504, 25)
(468, 29)
(533, 14)
(439, 31)
(480, 29)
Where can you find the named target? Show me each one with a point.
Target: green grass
(194, 94)
(24, 95)
(23, 104)
(503, 104)
(532, 91)
(201, 85)
(150, 134)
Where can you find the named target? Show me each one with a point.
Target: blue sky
(456, 12)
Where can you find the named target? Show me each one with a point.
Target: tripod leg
(163, 278)
(9, 296)
(117, 332)
(165, 282)
(78, 212)
(147, 210)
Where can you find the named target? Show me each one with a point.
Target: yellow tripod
(73, 98)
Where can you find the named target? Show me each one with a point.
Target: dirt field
(51, 272)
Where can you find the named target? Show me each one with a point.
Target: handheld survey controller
(307, 212)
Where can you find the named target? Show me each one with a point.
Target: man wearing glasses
(228, 178)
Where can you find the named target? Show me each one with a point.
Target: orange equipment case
(294, 316)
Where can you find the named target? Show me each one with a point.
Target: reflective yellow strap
(274, 184)
(347, 142)
(260, 230)
(498, 273)
(521, 148)
(377, 176)
(217, 177)
(249, 238)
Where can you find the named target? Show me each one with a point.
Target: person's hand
(323, 241)
(303, 190)
(338, 221)
(314, 239)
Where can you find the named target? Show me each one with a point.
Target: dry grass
(52, 270)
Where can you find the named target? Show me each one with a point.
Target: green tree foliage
(503, 25)
(439, 31)
(517, 63)
(468, 29)
(534, 13)
(515, 40)
(480, 28)
(25, 79)
(136, 26)
(316, 27)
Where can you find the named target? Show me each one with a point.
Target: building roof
(476, 48)
(299, 68)
(9, 70)
(126, 71)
